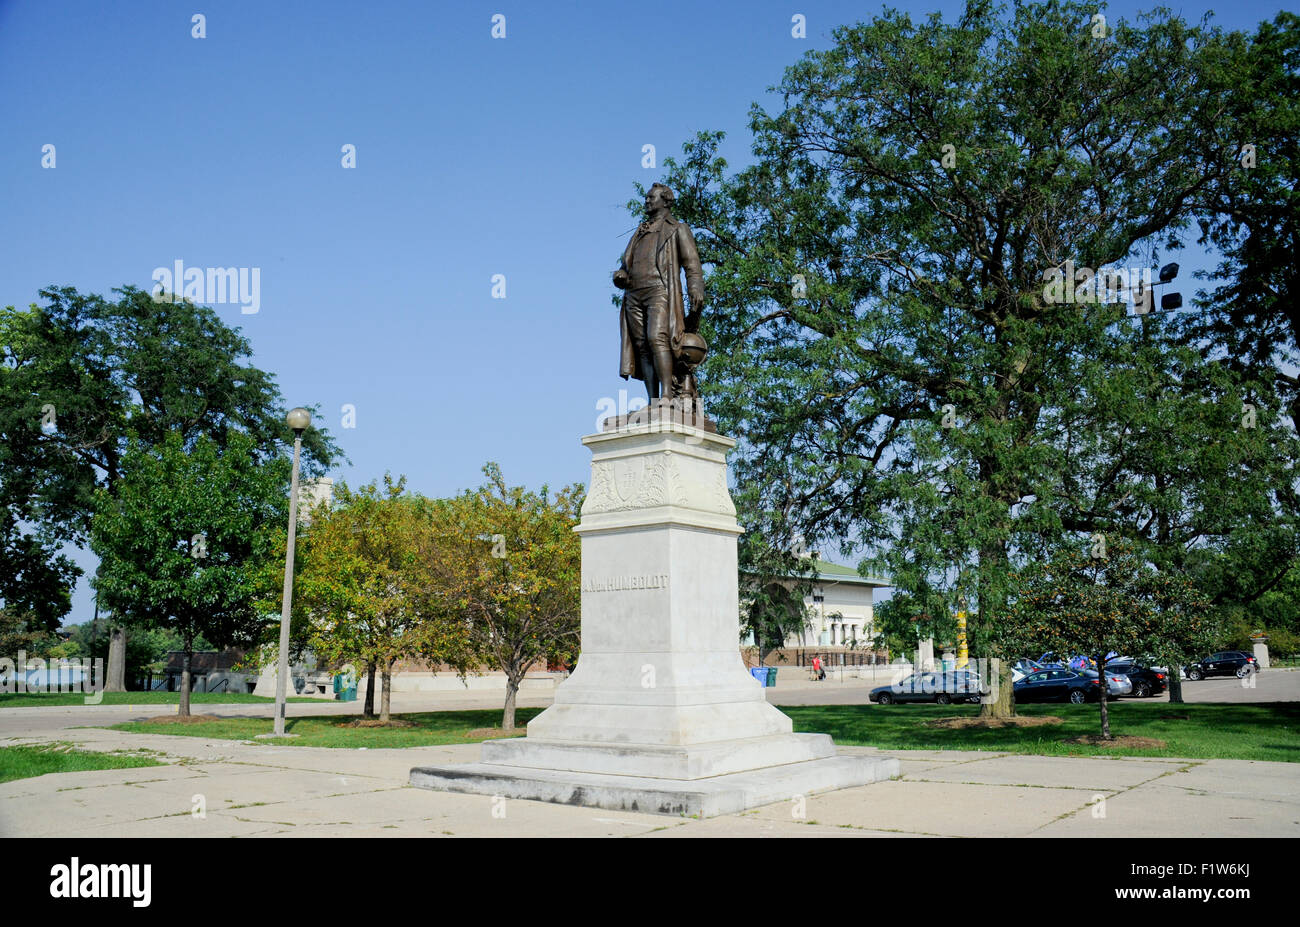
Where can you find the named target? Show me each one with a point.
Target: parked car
(1078, 661)
(1146, 680)
(1022, 668)
(972, 679)
(1225, 663)
(1057, 685)
(940, 688)
(1117, 684)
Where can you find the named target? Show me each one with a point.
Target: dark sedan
(1057, 685)
(1226, 663)
(1146, 681)
(941, 688)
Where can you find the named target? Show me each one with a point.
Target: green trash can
(342, 691)
(771, 676)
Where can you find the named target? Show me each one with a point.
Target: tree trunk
(368, 711)
(115, 674)
(1175, 686)
(508, 715)
(185, 679)
(1004, 705)
(1104, 701)
(992, 570)
(385, 698)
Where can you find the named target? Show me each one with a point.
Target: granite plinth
(700, 761)
(661, 713)
(703, 798)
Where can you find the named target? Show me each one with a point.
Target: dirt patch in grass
(1124, 741)
(375, 722)
(977, 723)
(185, 719)
(491, 733)
(1175, 717)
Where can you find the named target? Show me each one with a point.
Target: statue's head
(659, 197)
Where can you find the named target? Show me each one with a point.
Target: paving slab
(928, 756)
(1240, 778)
(433, 813)
(1156, 810)
(177, 825)
(1097, 774)
(941, 809)
(269, 786)
(760, 827)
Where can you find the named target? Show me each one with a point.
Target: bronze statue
(660, 343)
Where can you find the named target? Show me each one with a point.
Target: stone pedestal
(661, 713)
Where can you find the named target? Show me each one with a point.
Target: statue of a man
(653, 319)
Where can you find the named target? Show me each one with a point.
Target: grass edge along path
(25, 761)
(1265, 731)
(429, 729)
(1269, 731)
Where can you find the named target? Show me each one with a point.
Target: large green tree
(1249, 321)
(883, 339)
(81, 375)
(186, 536)
(35, 580)
(510, 568)
(366, 585)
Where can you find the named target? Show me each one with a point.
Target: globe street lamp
(298, 420)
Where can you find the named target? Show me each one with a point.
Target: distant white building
(841, 608)
(312, 493)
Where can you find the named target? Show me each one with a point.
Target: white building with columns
(841, 608)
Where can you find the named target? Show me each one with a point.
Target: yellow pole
(963, 657)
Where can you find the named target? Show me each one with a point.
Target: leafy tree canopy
(185, 537)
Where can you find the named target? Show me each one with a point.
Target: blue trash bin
(759, 673)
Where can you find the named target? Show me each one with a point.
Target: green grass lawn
(23, 762)
(1243, 732)
(45, 699)
(433, 728)
(1246, 732)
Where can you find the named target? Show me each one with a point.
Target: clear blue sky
(475, 156)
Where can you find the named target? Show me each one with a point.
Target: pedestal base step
(681, 797)
(656, 761)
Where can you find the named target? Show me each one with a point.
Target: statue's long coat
(676, 251)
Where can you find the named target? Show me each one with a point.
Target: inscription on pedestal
(621, 583)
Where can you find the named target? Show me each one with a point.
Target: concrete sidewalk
(259, 790)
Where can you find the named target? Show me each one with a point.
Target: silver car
(1117, 684)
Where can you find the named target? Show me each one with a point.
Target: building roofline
(838, 573)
